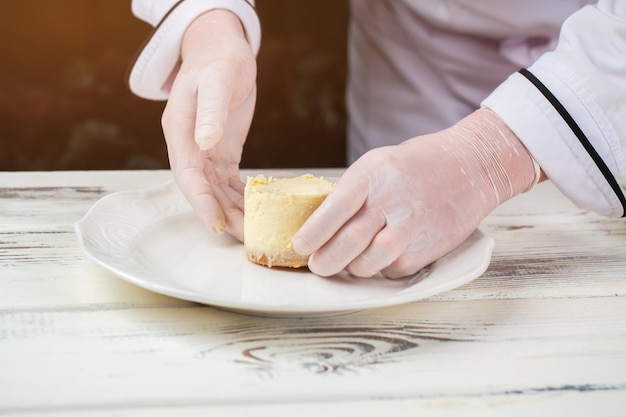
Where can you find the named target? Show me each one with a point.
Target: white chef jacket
(418, 66)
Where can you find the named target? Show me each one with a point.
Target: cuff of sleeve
(158, 59)
(553, 145)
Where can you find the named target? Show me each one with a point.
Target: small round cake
(274, 210)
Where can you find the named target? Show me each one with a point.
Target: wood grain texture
(542, 331)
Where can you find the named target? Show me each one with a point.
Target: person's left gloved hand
(207, 117)
(399, 208)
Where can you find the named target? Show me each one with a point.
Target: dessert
(274, 210)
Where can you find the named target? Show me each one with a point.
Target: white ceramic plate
(151, 238)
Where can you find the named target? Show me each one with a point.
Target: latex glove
(399, 208)
(207, 118)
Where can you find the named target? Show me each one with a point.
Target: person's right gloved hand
(207, 117)
(399, 208)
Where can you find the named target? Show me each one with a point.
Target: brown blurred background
(64, 103)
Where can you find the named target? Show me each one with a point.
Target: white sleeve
(569, 108)
(158, 59)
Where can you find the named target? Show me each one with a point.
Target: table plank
(463, 348)
(596, 403)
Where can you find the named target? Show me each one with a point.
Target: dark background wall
(64, 103)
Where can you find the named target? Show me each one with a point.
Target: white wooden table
(542, 332)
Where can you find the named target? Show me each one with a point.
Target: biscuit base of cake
(285, 259)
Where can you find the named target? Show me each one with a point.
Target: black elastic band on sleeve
(606, 172)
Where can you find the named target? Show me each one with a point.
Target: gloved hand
(207, 118)
(399, 208)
